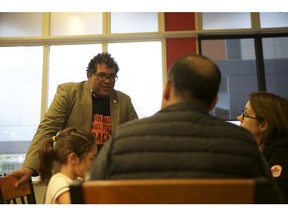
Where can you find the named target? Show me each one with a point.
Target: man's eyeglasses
(247, 116)
(103, 76)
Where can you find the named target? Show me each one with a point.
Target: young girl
(75, 151)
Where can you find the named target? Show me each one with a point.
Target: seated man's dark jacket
(183, 141)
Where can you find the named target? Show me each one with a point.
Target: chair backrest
(11, 195)
(164, 191)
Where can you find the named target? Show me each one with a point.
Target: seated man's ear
(213, 104)
(166, 93)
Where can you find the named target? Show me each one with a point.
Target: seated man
(182, 140)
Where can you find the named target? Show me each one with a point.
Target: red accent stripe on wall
(177, 47)
(179, 21)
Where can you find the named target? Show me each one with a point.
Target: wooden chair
(164, 191)
(11, 195)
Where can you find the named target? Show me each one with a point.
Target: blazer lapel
(87, 107)
(114, 110)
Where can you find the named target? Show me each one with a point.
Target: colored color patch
(276, 170)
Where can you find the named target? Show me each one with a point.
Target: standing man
(92, 105)
(183, 140)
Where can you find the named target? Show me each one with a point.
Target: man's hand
(23, 174)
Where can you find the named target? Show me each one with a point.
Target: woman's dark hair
(274, 110)
(101, 58)
(57, 148)
(197, 77)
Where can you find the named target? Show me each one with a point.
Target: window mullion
(260, 64)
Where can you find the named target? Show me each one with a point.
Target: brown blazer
(72, 107)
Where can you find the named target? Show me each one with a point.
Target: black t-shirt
(101, 121)
(101, 106)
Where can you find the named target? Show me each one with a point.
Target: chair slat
(9, 193)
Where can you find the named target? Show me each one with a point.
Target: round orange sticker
(276, 170)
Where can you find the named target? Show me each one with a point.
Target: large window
(275, 52)
(20, 24)
(31, 74)
(273, 20)
(129, 22)
(76, 23)
(236, 60)
(66, 65)
(140, 74)
(243, 73)
(20, 102)
(249, 61)
(226, 21)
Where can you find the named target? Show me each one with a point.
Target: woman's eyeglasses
(247, 116)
